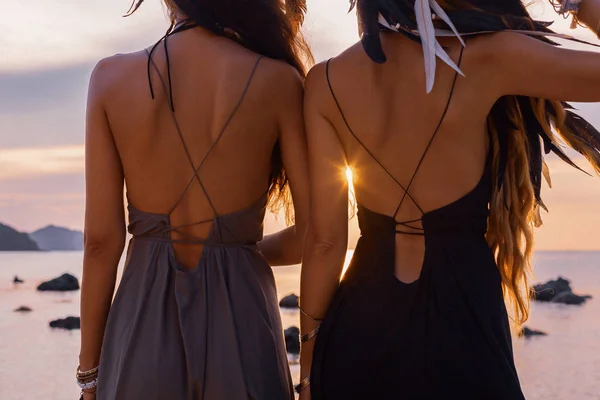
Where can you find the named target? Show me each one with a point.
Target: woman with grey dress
(205, 132)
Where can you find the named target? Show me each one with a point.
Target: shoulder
(343, 68)
(345, 64)
(278, 84)
(316, 87)
(317, 76)
(504, 60)
(112, 72)
(499, 49)
(279, 74)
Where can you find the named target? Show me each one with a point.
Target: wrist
(87, 362)
(303, 385)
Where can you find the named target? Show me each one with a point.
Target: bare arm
(285, 247)
(104, 223)
(327, 237)
(589, 15)
(522, 65)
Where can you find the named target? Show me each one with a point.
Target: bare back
(410, 152)
(224, 126)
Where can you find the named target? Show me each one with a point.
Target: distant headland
(49, 238)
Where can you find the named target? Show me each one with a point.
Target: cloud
(17, 164)
(43, 81)
(48, 89)
(43, 108)
(38, 200)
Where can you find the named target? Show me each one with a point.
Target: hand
(89, 396)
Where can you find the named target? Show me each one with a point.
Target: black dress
(444, 336)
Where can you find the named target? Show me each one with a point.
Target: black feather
(534, 147)
(368, 12)
(134, 7)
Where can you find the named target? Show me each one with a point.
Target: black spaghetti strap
(221, 133)
(214, 144)
(413, 230)
(173, 29)
(360, 142)
(437, 128)
(187, 153)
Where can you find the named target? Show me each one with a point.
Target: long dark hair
(267, 27)
(519, 126)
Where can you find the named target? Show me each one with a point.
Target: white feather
(383, 21)
(439, 11)
(441, 53)
(427, 35)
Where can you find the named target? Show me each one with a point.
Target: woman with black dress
(447, 166)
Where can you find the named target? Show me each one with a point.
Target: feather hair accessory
(426, 33)
(428, 36)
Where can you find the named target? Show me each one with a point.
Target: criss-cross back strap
(437, 129)
(360, 142)
(413, 230)
(197, 169)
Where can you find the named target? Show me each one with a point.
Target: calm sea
(38, 363)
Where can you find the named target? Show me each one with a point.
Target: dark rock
(547, 291)
(289, 301)
(63, 283)
(557, 291)
(57, 238)
(23, 309)
(526, 332)
(68, 323)
(292, 340)
(13, 240)
(570, 298)
(16, 279)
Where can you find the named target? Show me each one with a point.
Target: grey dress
(213, 332)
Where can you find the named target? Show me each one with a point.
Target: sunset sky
(47, 52)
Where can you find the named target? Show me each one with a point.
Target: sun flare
(349, 175)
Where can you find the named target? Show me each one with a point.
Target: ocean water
(37, 362)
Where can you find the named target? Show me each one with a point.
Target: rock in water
(570, 298)
(16, 279)
(526, 332)
(23, 309)
(290, 301)
(292, 340)
(63, 283)
(69, 323)
(558, 291)
(547, 291)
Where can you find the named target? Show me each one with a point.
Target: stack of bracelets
(304, 383)
(87, 380)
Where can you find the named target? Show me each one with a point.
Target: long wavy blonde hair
(515, 211)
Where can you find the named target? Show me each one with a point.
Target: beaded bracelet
(88, 385)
